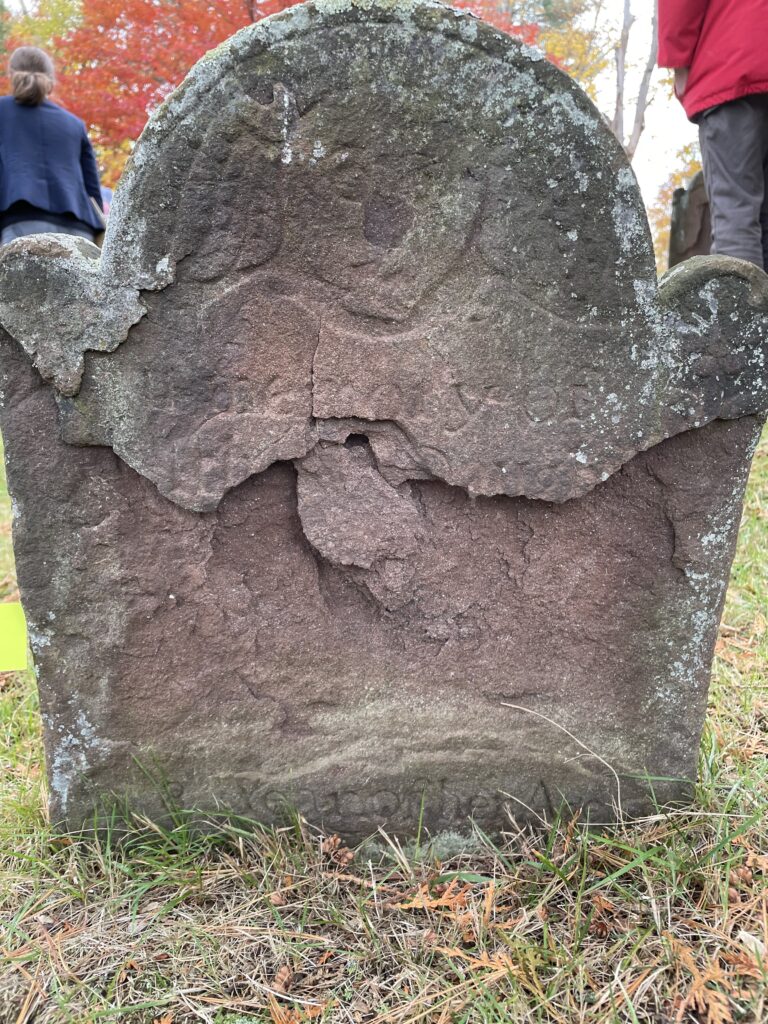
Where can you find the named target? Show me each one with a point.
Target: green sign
(13, 638)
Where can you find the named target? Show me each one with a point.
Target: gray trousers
(734, 152)
(38, 227)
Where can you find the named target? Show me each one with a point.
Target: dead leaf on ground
(710, 1003)
(453, 897)
(280, 1014)
(333, 848)
(282, 980)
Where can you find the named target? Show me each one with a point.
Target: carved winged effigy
(368, 468)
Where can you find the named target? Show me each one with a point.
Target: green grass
(661, 920)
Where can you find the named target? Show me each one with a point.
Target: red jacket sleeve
(680, 23)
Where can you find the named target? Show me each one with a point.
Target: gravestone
(690, 229)
(368, 468)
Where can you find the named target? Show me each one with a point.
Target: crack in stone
(514, 344)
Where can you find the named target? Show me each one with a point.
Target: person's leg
(764, 217)
(38, 227)
(77, 230)
(732, 154)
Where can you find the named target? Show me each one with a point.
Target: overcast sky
(667, 128)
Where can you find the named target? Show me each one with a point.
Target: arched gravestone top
(369, 455)
(345, 202)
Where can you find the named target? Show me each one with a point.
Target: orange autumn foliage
(119, 59)
(496, 12)
(125, 56)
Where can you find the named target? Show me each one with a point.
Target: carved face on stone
(382, 260)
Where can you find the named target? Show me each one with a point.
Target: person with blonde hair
(49, 180)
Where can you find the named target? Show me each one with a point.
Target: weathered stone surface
(499, 251)
(349, 512)
(57, 305)
(690, 230)
(371, 423)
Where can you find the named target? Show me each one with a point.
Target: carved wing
(477, 296)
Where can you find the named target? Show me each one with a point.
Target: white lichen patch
(38, 639)
(533, 53)
(467, 29)
(629, 221)
(164, 270)
(73, 752)
(339, 6)
(287, 127)
(562, 105)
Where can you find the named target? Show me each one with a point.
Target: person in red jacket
(719, 52)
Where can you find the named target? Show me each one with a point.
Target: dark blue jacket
(46, 160)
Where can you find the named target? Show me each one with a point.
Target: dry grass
(662, 920)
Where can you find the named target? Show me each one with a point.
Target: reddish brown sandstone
(368, 465)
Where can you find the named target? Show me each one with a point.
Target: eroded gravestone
(690, 228)
(369, 456)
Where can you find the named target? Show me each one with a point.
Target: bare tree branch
(645, 85)
(594, 53)
(621, 64)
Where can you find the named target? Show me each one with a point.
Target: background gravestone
(690, 230)
(368, 456)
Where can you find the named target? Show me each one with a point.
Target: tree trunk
(621, 62)
(645, 85)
